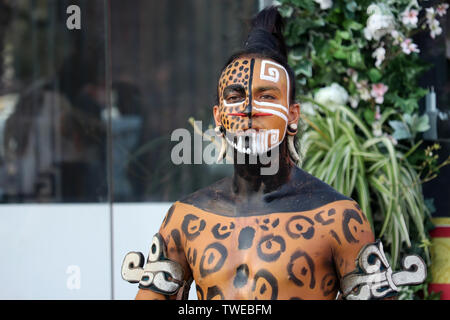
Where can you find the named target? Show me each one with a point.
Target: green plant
(343, 152)
(357, 71)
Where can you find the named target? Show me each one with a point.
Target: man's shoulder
(304, 192)
(213, 198)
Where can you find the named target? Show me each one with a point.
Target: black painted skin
(248, 193)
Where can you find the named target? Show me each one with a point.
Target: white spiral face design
(273, 73)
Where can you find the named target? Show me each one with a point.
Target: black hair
(265, 40)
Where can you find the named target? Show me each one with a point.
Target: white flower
(378, 91)
(435, 28)
(363, 90)
(377, 113)
(393, 140)
(353, 74)
(408, 46)
(308, 108)
(380, 22)
(430, 14)
(441, 9)
(332, 96)
(376, 129)
(379, 55)
(324, 4)
(397, 36)
(410, 18)
(354, 101)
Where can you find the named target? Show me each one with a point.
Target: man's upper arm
(170, 232)
(354, 232)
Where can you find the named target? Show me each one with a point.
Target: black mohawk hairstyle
(266, 33)
(265, 40)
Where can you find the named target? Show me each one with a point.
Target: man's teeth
(240, 146)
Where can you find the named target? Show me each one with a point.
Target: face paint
(254, 104)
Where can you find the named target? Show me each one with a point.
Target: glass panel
(52, 102)
(166, 60)
(437, 53)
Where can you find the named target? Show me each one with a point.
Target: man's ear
(294, 113)
(216, 114)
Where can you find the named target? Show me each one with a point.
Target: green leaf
(374, 75)
(304, 67)
(351, 6)
(343, 35)
(340, 54)
(401, 130)
(354, 59)
(352, 25)
(286, 11)
(369, 115)
(422, 124)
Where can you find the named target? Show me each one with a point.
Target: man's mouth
(252, 141)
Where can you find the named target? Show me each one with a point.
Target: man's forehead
(260, 72)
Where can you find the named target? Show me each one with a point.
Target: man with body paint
(286, 235)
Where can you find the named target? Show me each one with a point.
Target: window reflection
(54, 112)
(54, 135)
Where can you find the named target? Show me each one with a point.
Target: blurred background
(86, 116)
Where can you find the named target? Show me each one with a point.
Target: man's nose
(248, 109)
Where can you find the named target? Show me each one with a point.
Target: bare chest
(277, 256)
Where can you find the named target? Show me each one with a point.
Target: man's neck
(249, 180)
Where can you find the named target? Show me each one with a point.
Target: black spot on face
(301, 269)
(192, 226)
(241, 277)
(213, 259)
(246, 238)
(271, 247)
(300, 226)
(349, 216)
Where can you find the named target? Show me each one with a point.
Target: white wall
(63, 251)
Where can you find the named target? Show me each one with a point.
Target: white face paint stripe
(269, 104)
(275, 113)
(232, 104)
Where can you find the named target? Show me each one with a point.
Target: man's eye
(267, 97)
(234, 99)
